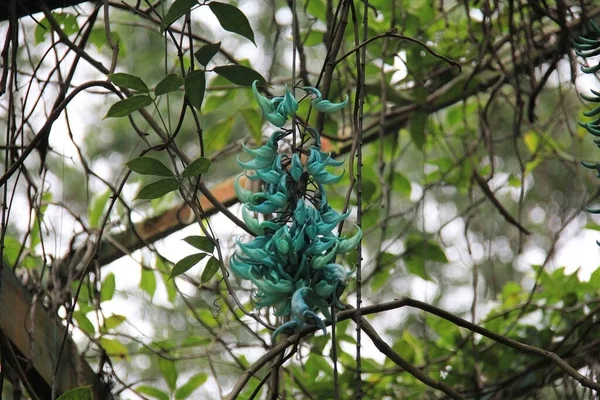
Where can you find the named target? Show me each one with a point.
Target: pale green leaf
(201, 243)
(129, 81)
(158, 189)
(125, 107)
(176, 11)
(108, 288)
(170, 83)
(80, 393)
(195, 85)
(190, 386)
(232, 19)
(197, 167)
(148, 166)
(212, 267)
(186, 263)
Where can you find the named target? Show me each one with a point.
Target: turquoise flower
(324, 105)
(276, 110)
(291, 261)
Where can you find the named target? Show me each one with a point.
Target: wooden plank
(158, 227)
(37, 336)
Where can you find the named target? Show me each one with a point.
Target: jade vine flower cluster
(291, 261)
(587, 47)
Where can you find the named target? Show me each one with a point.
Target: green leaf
(532, 140)
(426, 249)
(108, 288)
(595, 279)
(129, 81)
(240, 75)
(212, 267)
(158, 189)
(148, 281)
(186, 263)
(315, 364)
(125, 107)
(84, 323)
(148, 166)
(418, 121)
(152, 391)
(176, 11)
(67, 22)
(162, 266)
(401, 185)
(169, 372)
(193, 341)
(97, 206)
(113, 321)
(114, 348)
(232, 19)
(195, 85)
(207, 52)
(201, 243)
(99, 39)
(313, 38)
(170, 83)
(12, 248)
(419, 250)
(197, 167)
(194, 383)
(415, 265)
(80, 393)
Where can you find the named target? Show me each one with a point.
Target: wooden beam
(35, 338)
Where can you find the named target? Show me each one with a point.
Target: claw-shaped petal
(265, 207)
(324, 289)
(297, 169)
(266, 151)
(257, 163)
(346, 245)
(320, 262)
(320, 246)
(327, 107)
(288, 327)
(300, 213)
(252, 223)
(262, 101)
(268, 176)
(324, 177)
(239, 268)
(243, 195)
(316, 136)
(276, 118)
(314, 92)
(279, 199)
(289, 104)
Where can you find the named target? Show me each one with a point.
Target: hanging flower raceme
(588, 47)
(291, 261)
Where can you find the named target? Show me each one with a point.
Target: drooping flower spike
(291, 261)
(590, 47)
